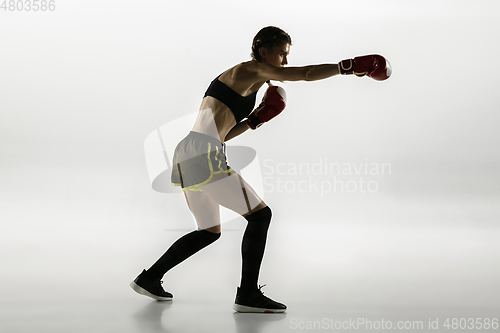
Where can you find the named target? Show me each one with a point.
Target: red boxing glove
(374, 66)
(273, 103)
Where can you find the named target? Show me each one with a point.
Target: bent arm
(236, 130)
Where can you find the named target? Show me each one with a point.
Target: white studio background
(83, 85)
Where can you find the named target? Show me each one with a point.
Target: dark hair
(268, 37)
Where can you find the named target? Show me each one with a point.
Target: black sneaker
(150, 288)
(255, 301)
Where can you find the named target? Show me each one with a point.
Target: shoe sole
(247, 309)
(144, 292)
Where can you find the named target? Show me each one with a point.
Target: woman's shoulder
(242, 77)
(242, 68)
(241, 71)
(247, 71)
(253, 70)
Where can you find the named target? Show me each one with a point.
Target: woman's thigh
(233, 192)
(205, 210)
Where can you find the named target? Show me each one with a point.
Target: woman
(200, 168)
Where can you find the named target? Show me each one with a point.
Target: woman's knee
(209, 236)
(215, 229)
(263, 214)
(259, 207)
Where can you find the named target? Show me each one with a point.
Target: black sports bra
(240, 106)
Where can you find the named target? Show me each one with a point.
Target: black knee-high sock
(182, 249)
(253, 245)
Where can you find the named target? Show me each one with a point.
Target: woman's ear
(263, 52)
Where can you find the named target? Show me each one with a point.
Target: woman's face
(277, 56)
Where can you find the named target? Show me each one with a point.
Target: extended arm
(304, 73)
(320, 72)
(374, 66)
(274, 101)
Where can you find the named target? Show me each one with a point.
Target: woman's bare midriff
(214, 119)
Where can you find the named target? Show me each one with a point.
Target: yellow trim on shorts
(195, 188)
